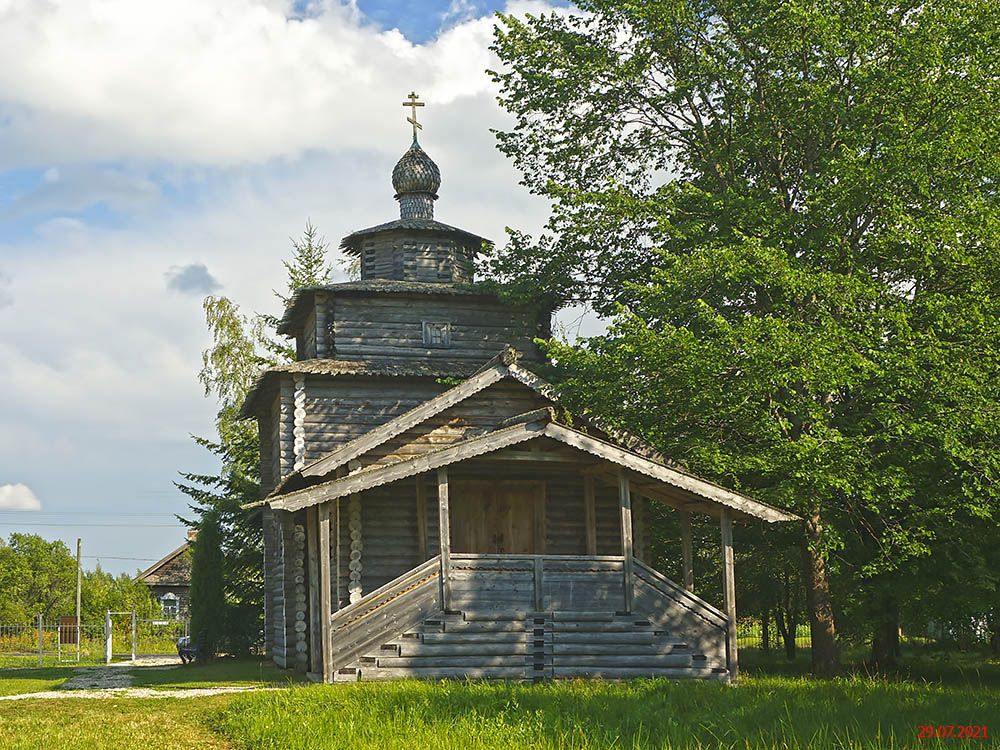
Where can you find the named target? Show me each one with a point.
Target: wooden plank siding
(364, 327)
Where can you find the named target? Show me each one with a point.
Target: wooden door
(498, 517)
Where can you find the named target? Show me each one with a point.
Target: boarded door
(498, 517)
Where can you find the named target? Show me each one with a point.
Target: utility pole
(79, 577)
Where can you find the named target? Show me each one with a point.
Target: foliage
(241, 347)
(208, 594)
(101, 592)
(791, 211)
(36, 577)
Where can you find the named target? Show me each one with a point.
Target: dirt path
(126, 692)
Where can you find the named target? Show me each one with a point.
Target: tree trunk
(995, 639)
(822, 628)
(765, 632)
(786, 629)
(885, 643)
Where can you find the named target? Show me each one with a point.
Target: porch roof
(658, 481)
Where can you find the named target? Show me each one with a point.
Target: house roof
(300, 302)
(159, 574)
(389, 368)
(663, 479)
(503, 365)
(540, 426)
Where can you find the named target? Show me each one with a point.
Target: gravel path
(134, 693)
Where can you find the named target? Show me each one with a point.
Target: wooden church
(430, 511)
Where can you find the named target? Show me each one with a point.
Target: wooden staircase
(532, 646)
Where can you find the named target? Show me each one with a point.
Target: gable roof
(540, 426)
(503, 365)
(149, 575)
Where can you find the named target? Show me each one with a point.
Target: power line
(109, 557)
(80, 513)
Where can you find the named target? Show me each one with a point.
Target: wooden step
(455, 636)
(655, 649)
(425, 661)
(587, 637)
(475, 615)
(628, 673)
(638, 661)
(600, 626)
(447, 673)
(466, 649)
(515, 626)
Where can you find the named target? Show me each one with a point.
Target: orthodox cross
(413, 104)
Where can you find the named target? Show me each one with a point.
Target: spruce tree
(209, 612)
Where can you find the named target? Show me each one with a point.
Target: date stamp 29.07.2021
(957, 731)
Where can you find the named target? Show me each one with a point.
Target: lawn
(14, 681)
(765, 710)
(783, 713)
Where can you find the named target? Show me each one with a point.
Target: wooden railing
(674, 607)
(384, 613)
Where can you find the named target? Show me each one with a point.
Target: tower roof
(416, 172)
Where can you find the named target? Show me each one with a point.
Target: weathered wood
(383, 475)
(315, 586)
(590, 514)
(729, 590)
(325, 585)
(422, 518)
(625, 498)
(687, 552)
(444, 534)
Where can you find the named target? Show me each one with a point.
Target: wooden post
(133, 634)
(539, 582)
(444, 532)
(590, 514)
(729, 590)
(687, 553)
(422, 518)
(625, 496)
(312, 563)
(325, 608)
(79, 579)
(337, 555)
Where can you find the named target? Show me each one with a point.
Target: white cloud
(18, 497)
(220, 82)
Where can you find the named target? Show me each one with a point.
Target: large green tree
(791, 210)
(242, 345)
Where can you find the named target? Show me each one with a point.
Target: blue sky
(153, 153)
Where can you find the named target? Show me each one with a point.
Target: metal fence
(47, 644)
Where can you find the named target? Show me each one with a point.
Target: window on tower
(437, 334)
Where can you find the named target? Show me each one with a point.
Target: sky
(152, 153)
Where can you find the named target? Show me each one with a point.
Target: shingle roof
(391, 368)
(298, 305)
(352, 242)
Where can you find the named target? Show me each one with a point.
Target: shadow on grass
(762, 712)
(15, 681)
(219, 672)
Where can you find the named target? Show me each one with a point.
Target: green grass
(15, 681)
(762, 712)
(118, 723)
(217, 673)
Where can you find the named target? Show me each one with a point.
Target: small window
(437, 334)
(170, 605)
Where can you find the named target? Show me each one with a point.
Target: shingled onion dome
(416, 179)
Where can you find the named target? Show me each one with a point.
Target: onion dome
(416, 179)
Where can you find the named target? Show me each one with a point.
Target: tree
(208, 592)
(791, 211)
(36, 577)
(101, 592)
(241, 347)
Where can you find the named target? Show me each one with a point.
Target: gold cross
(413, 104)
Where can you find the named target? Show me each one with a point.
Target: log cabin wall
(338, 410)
(475, 327)
(410, 256)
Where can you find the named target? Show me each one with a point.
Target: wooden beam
(590, 514)
(625, 498)
(698, 487)
(315, 619)
(687, 552)
(326, 609)
(422, 517)
(376, 477)
(729, 591)
(444, 533)
(538, 542)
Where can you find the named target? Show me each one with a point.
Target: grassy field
(767, 711)
(14, 681)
